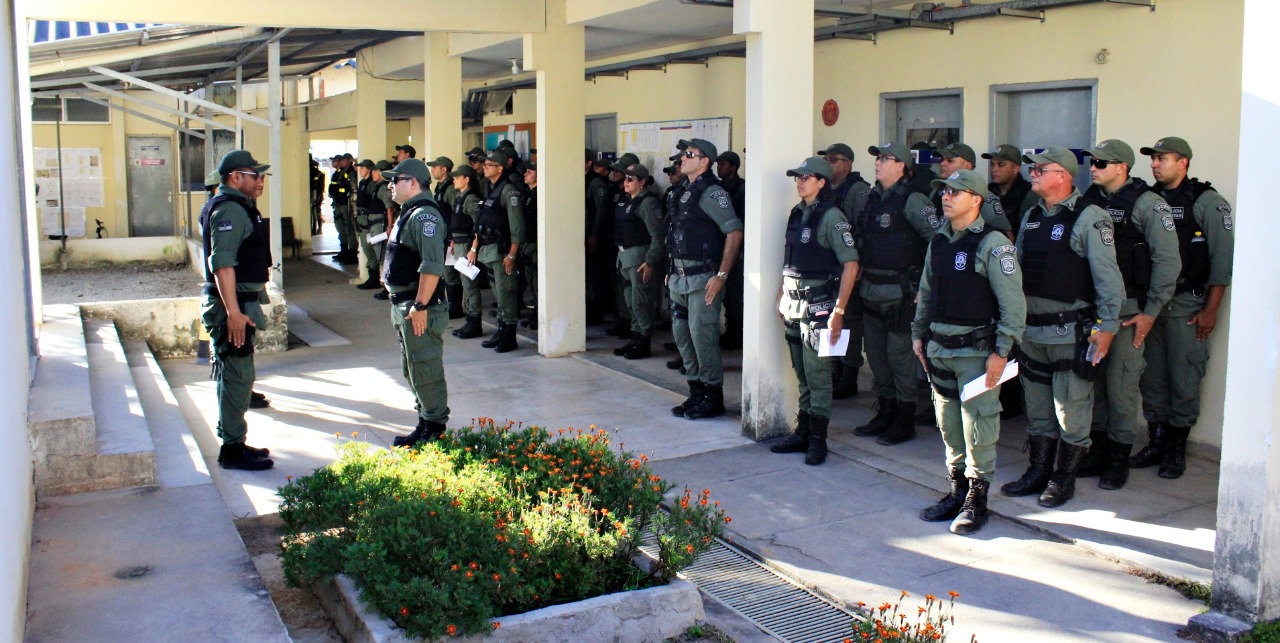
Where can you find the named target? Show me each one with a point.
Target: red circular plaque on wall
(830, 112)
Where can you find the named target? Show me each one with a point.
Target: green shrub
(486, 522)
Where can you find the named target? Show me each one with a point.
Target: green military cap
(896, 150)
(506, 143)
(1168, 144)
(966, 180)
(444, 161)
(347, 155)
(464, 170)
(626, 160)
(671, 169)
(335, 157)
(239, 160)
(475, 152)
(366, 163)
(383, 166)
(1112, 149)
(706, 147)
(410, 167)
(530, 167)
(497, 156)
(1005, 152)
(637, 170)
(730, 157)
(958, 149)
(838, 148)
(1060, 155)
(682, 145)
(212, 179)
(407, 148)
(814, 165)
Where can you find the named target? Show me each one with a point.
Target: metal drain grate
(776, 604)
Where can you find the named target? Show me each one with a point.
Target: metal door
(1038, 118)
(150, 179)
(602, 133)
(934, 120)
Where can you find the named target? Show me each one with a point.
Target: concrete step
(59, 407)
(179, 462)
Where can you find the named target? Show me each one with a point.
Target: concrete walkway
(848, 527)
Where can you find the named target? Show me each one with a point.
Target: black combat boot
(1040, 467)
(695, 395)
(1153, 453)
(1117, 472)
(712, 405)
(886, 410)
(798, 441)
(424, 432)
(1174, 463)
(532, 322)
(675, 362)
(1095, 460)
(904, 426)
(817, 451)
(837, 370)
(847, 385)
(973, 515)
(622, 350)
(493, 342)
(507, 342)
(640, 349)
(258, 400)
(949, 507)
(256, 452)
(471, 329)
(455, 302)
(235, 456)
(1062, 484)
(372, 283)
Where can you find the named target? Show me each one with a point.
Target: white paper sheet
(377, 238)
(465, 267)
(979, 385)
(825, 349)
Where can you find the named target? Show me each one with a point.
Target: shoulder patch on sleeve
(227, 226)
(1224, 207)
(1167, 221)
(1226, 221)
(864, 192)
(1005, 249)
(1008, 265)
(843, 226)
(1103, 224)
(1162, 207)
(928, 211)
(514, 200)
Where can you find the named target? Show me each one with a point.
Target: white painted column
(559, 58)
(779, 136)
(371, 137)
(442, 81)
(275, 186)
(1246, 563)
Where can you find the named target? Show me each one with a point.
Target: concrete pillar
(371, 138)
(442, 82)
(275, 195)
(779, 135)
(559, 58)
(1246, 564)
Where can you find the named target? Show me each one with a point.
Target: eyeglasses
(401, 178)
(1041, 169)
(249, 173)
(632, 179)
(1101, 164)
(802, 179)
(488, 164)
(885, 158)
(690, 154)
(950, 191)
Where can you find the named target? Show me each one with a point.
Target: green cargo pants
(813, 372)
(696, 327)
(1059, 404)
(970, 429)
(422, 360)
(893, 363)
(1117, 405)
(233, 375)
(1176, 362)
(372, 225)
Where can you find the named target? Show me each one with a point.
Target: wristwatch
(511, 257)
(722, 275)
(417, 305)
(838, 310)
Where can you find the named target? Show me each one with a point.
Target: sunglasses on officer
(1101, 164)
(950, 191)
(690, 154)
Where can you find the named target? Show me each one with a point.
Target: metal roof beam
(156, 106)
(145, 73)
(239, 60)
(179, 95)
(153, 119)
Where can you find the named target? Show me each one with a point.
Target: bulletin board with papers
(79, 182)
(653, 142)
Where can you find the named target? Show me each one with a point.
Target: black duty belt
(811, 293)
(982, 339)
(1061, 318)
(691, 270)
(883, 280)
(241, 297)
(411, 295)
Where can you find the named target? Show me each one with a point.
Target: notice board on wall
(654, 141)
(74, 174)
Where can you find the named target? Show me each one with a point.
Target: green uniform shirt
(717, 204)
(855, 198)
(384, 197)
(1213, 215)
(513, 202)
(1089, 241)
(423, 231)
(834, 233)
(654, 254)
(1005, 278)
(1153, 217)
(224, 240)
(922, 216)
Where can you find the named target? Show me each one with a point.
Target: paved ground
(848, 527)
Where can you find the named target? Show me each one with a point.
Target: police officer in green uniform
(640, 237)
(237, 262)
(849, 191)
(412, 271)
(529, 249)
(1147, 253)
(390, 209)
(462, 234)
(370, 221)
(1005, 167)
(341, 188)
(892, 230)
(1177, 347)
(607, 253)
(820, 266)
(703, 239)
(444, 194)
(727, 166)
(499, 225)
(956, 157)
(317, 196)
(1066, 248)
(600, 197)
(971, 314)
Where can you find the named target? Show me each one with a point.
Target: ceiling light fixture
(515, 65)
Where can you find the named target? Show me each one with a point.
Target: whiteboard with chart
(653, 142)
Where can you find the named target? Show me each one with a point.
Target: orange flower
(404, 611)
(497, 577)
(930, 598)
(727, 520)
(451, 629)
(688, 548)
(497, 624)
(954, 594)
(453, 567)
(470, 575)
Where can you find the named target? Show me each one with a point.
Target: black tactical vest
(400, 265)
(671, 200)
(364, 194)
(692, 234)
(492, 223)
(631, 230)
(886, 239)
(841, 193)
(446, 208)
(961, 296)
(1132, 253)
(531, 214)
(1011, 201)
(339, 184)
(804, 257)
(461, 226)
(1050, 268)
(1192, 245)
(731, 186)
(253, 259)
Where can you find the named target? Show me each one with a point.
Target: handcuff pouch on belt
(982, 339)
(1079, 362)
(936, 372)
(411, 295)
(678, 311)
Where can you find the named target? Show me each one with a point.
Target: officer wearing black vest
(317, 196)
(237, 261)
(1074, 291)
(956, 157)
(462, 234)
(444, 194)
(1147, 253)
(529, 249)
(499, 232)
(703, 239)
(369, 215)
(671, 204)
(971, 314)
(641, 245)
(820, 266)
(412, 271)
(1005, 167)
(728, 164)
(599, 206)
(608, 246)
(341, 186)
(849, 191)
(1178, 347)
(892, 231)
